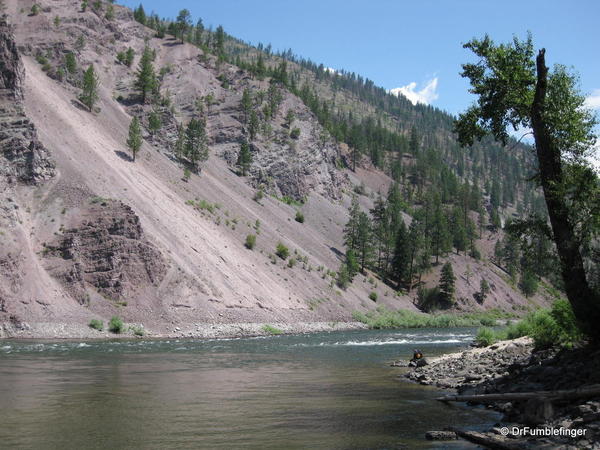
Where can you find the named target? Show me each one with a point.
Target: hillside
(88, 233)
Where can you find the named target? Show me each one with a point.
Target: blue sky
(396, 42)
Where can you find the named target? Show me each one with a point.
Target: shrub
(291, 262)
(259, 195)
(485, 337)
(295, 134)
(137, 330)
(271, 329)
(35, 10)
(343, 277)
(116, 325)
(250, 241)
(299, 217)
(282, 251)
(96, 324)
(373, 296)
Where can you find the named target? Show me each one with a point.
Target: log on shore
(586, 391)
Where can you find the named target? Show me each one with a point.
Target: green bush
(299, 217)
(282, 251)
(35, 10)
(96, 324)
(271, 329)
(485, 337)
(250, 241)
(373, 296)
(116, 325)
(295, 134)
(384, 318)
(138, 331)
(291, 262)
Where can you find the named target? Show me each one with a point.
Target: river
(326, 390)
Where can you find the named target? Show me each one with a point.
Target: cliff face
(88, 233)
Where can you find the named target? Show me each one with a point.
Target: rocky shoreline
(515, 367)
(55, 331)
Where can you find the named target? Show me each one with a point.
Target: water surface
(327, 390)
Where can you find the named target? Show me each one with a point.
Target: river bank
(51, 330)
(514, 367)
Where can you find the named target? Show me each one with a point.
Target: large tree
(515, 88)
(183, 23)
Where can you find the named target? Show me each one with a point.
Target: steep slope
(105, 236)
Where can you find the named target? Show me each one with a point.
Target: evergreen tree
(129, 57)
(180, 142)
(244, 158)
(89, 96)
(446, 285)
(352, 264)
(528, 283)
(253, 125)
(364, 241)
(140, 15)
(402, 256)
(134, 140)
(196, 147)
(351, 228)
(220, 42)
(183, 23)
(246, 104)
(154, 122)
(146, 82)
(70, 63)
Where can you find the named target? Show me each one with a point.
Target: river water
(327, 390)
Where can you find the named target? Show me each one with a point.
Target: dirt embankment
(514, 367)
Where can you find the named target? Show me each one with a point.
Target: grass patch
(96, 324)
(383, 318)
(271, 329)
(137, 330)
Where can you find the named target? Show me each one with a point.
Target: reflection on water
(319, 391)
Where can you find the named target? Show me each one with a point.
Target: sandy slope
(211, 276)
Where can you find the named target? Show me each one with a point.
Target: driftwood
(586, 391)
(495, 443)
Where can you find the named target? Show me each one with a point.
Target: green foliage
(89, 96)
(134, 140)
(70, 63)
(343, 278)
(196, 141)
(35, 9)
(258, 196)
(291, 263)
(56, 21)
(299, 217)
(84, 5)
(116, 325)
(146, 82)
(528, 284)
(295, 133)
(250, 241)
(110, 12)
(373, 296)
(383, 318)
(96, 324)
(282, 251)
(154, 122)
(244, 158)
(554, 327)
(137, 330)
(485, 337)
(446, 286)
(271, 329)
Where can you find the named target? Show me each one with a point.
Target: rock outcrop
(105, 250)
(24, 158)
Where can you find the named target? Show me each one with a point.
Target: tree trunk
(585, 302)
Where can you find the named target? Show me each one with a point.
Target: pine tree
(244, 158)
(70, 63)
(183, 23)
(220, 42)
(154, 122)
(253, 125)
(140, 15)
(146, 82)
(446, 285)
(134, 140)
(351, 228)
(89, 96)
(179, 149)
(196, 146)
(246, 104)
(364, 240)
(402, 256)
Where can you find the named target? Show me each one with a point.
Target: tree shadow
(124, 156)
(340, 255)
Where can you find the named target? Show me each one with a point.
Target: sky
(408, 46)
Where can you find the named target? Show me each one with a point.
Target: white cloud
(593, 101)
(426, 95)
